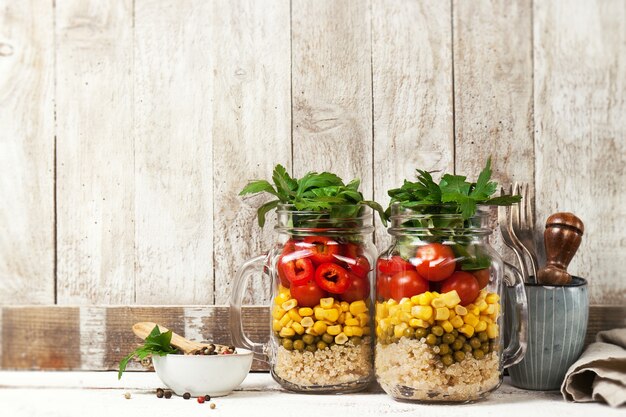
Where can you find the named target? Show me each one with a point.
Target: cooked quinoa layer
(338, 364)
(409, 370)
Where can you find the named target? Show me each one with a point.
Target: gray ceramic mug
(557, 324)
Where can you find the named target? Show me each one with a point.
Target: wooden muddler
(562, 237)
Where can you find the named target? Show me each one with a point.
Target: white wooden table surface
(95, 394)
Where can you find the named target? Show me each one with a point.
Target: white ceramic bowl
(216, 375)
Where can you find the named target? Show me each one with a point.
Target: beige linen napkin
(600, 372)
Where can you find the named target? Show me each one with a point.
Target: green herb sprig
(453, 194)
(156, 343)
(323, 191)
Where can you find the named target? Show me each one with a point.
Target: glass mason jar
(439, 315)
(321, 270)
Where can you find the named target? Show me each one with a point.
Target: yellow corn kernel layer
(339, 319)
(433, 309)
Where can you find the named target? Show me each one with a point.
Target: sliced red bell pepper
(298, 271)
(323, 249)
(288, 248)
(332, 278)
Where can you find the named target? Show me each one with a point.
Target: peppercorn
(200, 400)
(127, 395)
(207, 397)
(167, 394)
(212, 405)
(186, 395)
(159, 392)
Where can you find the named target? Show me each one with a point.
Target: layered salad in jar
(438, 308)
(322, 337)
(321, 315)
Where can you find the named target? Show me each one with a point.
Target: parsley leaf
(453, 194)
(156, 343)
(324, 192)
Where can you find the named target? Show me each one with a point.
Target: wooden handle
(143, 329)
(562, 237)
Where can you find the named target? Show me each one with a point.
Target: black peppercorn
(186, 395)
(159, 392)
(167, 394)
(207, 397)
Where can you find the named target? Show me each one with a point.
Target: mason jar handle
(252, 266)
(516, 349)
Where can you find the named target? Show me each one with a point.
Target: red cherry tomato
(359, 289)
(323, 249)
(383, 287)
(482, 276)
(308, 294)
(393, 265)
(332, 278)
(360, 266)
(435, 261)
(465, 285)
(407, 284)
(352, 250)
(298, 271)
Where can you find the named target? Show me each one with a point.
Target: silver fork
(522, 227)
(504, 219)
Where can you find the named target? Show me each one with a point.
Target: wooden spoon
(143, 329)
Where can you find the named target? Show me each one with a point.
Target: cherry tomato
(308, 294)
(323, 249)
(383, 287)
(482, 276)
(352, 250)
(298, 271)
(435, 261)
(465, 285)
(359, 266)
(359, 289)
(407, 284)
(394, 265)
(332, 278)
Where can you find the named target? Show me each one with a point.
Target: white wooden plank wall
(173, 121)
(580, 137)
(493, 88)
(251, 128)
(412, 90)
(95, 154)
(127, 127)
(332, 89)
(26, 153)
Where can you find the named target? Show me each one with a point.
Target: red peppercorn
(200, 400)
